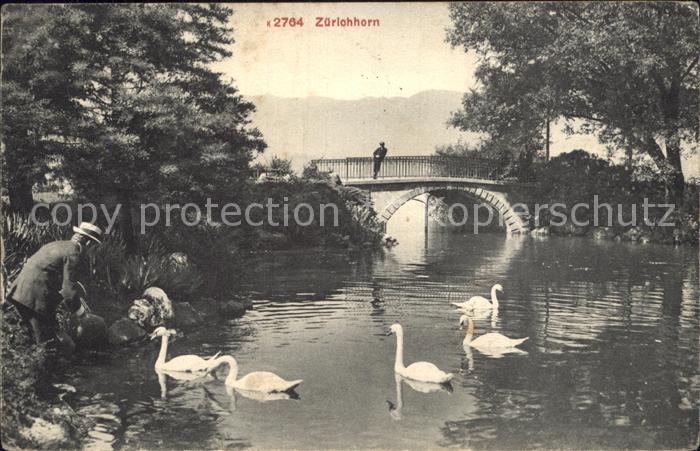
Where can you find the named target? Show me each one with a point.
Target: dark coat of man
(379, 154)
(49, 277)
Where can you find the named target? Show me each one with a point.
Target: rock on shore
(124, 331)
(186, 315)
(235, 308)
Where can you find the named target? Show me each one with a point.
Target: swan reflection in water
(190, 379)
(482, 314)
(259, 396)
(422, 387)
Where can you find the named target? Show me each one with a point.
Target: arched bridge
(402, 178)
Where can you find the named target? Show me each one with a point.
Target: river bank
(608, 201)
(617, 319)
(199, 269)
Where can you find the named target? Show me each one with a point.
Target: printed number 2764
(281, 22)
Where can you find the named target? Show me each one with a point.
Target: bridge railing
(412, 166)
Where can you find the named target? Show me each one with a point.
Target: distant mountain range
(318, 127)
(302, 129)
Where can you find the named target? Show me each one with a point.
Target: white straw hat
(89, 230)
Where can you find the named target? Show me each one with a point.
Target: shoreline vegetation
(197, 268)
(581, 178)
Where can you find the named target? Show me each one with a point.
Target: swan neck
(233, 368)
(163, 350)
(494, 299)
(399, 392)
(398, 364)
(470, 331)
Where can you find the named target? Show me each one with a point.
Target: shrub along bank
(579, 177)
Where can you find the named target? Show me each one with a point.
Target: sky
(404, 55)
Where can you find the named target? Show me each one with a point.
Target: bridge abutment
(388, 198)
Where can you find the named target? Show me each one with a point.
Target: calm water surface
(612, 359)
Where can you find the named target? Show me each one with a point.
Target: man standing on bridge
(379, 155)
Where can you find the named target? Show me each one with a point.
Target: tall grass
(21, 238)
(110, 274)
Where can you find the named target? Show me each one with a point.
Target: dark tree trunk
(19, 191)
(669, 166)
(675, 184)
(126, 222)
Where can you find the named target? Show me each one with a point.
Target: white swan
(258, 381)
(184, 363)
(419, 371)
(490, 343)
(480, 302)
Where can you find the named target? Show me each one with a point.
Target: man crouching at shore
(47, 279)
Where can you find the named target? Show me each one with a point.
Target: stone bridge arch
(386, 203)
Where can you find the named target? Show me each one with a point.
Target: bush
(578, 176)
(216, 251)
(24, 375)
(356, 219)
(21, 238)
(312, 173)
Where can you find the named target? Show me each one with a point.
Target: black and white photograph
(365, 226)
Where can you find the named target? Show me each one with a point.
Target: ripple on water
(612, 359)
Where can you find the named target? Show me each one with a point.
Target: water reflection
(612, 360)
(179, 376)
(395, 410)
(263, 396)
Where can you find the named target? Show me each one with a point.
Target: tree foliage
(627, 71)
(123, 97)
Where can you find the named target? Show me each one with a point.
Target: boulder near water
(90, 332)
(124, 331)
(232, 309)
(186, 315)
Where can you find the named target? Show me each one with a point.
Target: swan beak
(388, 332)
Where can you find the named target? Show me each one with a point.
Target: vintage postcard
(350, 225)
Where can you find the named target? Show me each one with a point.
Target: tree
(149, 120)
(628, 71)
(35, 102)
